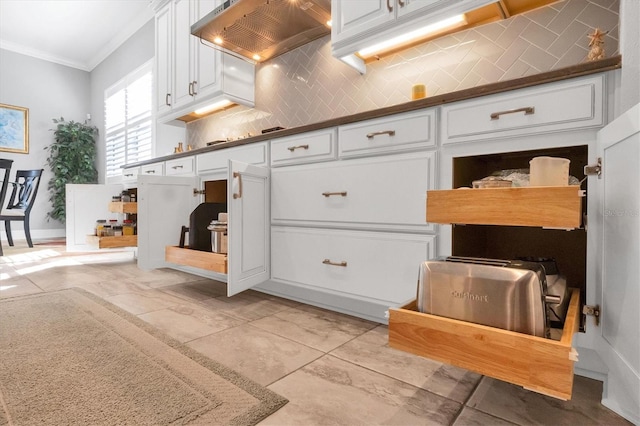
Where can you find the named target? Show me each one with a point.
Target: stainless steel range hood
(262, 29)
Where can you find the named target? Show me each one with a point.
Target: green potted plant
(72, 158)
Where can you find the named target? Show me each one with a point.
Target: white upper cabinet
(358, 24)
(192, 74)
(164, 60)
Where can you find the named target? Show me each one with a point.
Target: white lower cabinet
(378, 266)
(386, 192)
(165, 204)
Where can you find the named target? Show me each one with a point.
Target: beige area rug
(68, 357)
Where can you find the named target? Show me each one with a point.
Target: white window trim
(119, 85)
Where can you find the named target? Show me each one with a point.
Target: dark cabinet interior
(567, 247)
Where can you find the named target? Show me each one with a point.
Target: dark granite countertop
(488, 89)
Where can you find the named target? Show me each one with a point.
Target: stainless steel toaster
(507, 294)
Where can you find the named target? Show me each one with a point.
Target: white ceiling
(76, 33)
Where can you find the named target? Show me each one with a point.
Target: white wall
(49, 91)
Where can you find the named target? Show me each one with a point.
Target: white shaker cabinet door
(248, 227)
(615, 224)
(164, 206)
(354, 17)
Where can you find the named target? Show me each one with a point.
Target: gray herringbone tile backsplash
(309, 85)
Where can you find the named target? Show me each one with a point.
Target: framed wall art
(14, 129)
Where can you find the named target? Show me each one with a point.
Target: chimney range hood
(262, 29)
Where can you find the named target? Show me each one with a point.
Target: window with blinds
(128, 120)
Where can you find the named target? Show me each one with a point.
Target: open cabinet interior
(215, 191)
(198, 252)
(567, 247)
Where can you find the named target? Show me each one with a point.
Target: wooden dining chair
(5, 170)
(23, 194)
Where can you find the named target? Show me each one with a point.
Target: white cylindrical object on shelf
(549, 171)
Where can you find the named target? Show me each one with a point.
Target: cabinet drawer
(391, 134)
(386, 192)
(215, 262)
(180, 166)
(550, 108)
(375, 265)
(219, 160)
(155, 169)
(539, 364)
(130, 174)
(306, 148)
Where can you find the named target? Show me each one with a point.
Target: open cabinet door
(164, 206)
(617, 339)
(248, 227)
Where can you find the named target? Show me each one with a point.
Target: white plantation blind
(128, 120)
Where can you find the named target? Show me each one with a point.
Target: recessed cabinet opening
(567, 247)
(215, 191)
(202, 250)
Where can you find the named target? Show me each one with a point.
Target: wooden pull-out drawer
(215, 262)
(543, 206)
(123, 207)
(113, 241)
(539, 364)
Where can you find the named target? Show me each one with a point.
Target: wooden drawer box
(548, 207)
(538, 364)
(215, 262)
(123, 207)
(113, 242)
(305, 148)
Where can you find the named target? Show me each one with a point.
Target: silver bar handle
(389, 6)
(150, 171)
(526, 110)
(179, 166)
(329, 262)
(293, 148)
(194, 86)
(329, 194)
(128, 174)
(167, 98)
(239, 193)
(191, 89)
(381, 132)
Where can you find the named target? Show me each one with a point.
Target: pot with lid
(218, 230)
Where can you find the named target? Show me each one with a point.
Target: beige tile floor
(333, 368)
